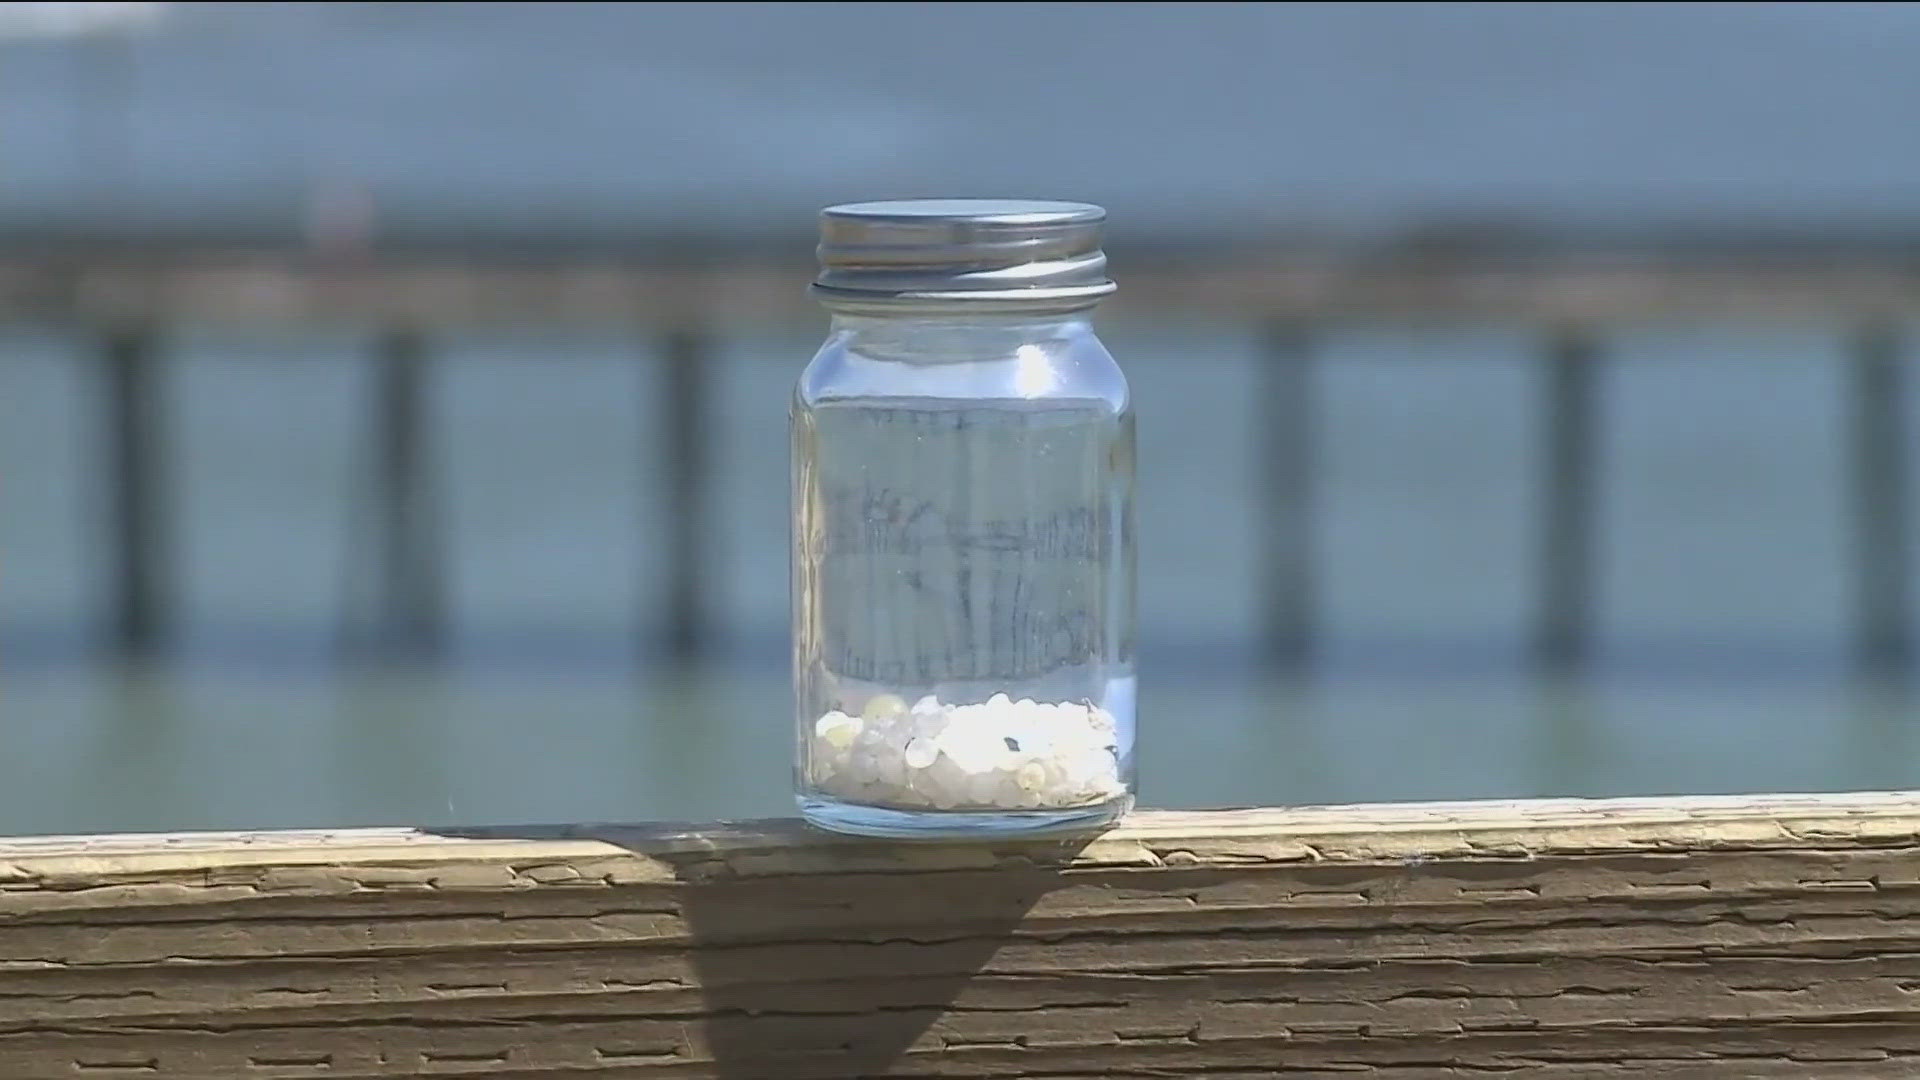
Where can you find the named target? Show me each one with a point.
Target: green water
(176, 752)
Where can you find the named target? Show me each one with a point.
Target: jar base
(857, 820)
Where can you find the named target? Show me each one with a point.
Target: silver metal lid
(1004, 252)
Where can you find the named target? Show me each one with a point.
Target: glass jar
(963, 563)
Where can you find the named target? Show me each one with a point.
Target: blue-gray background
(1724, 586)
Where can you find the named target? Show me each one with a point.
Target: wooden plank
(214, 286)
(1705, 937)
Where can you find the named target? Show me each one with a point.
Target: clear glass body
(963, 577)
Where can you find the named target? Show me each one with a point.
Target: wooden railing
(129, 293)
(1698, 938)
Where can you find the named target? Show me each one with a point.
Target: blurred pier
(675, 294)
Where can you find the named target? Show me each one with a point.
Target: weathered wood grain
(1766, 937)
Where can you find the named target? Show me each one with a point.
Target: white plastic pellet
(994, 755)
